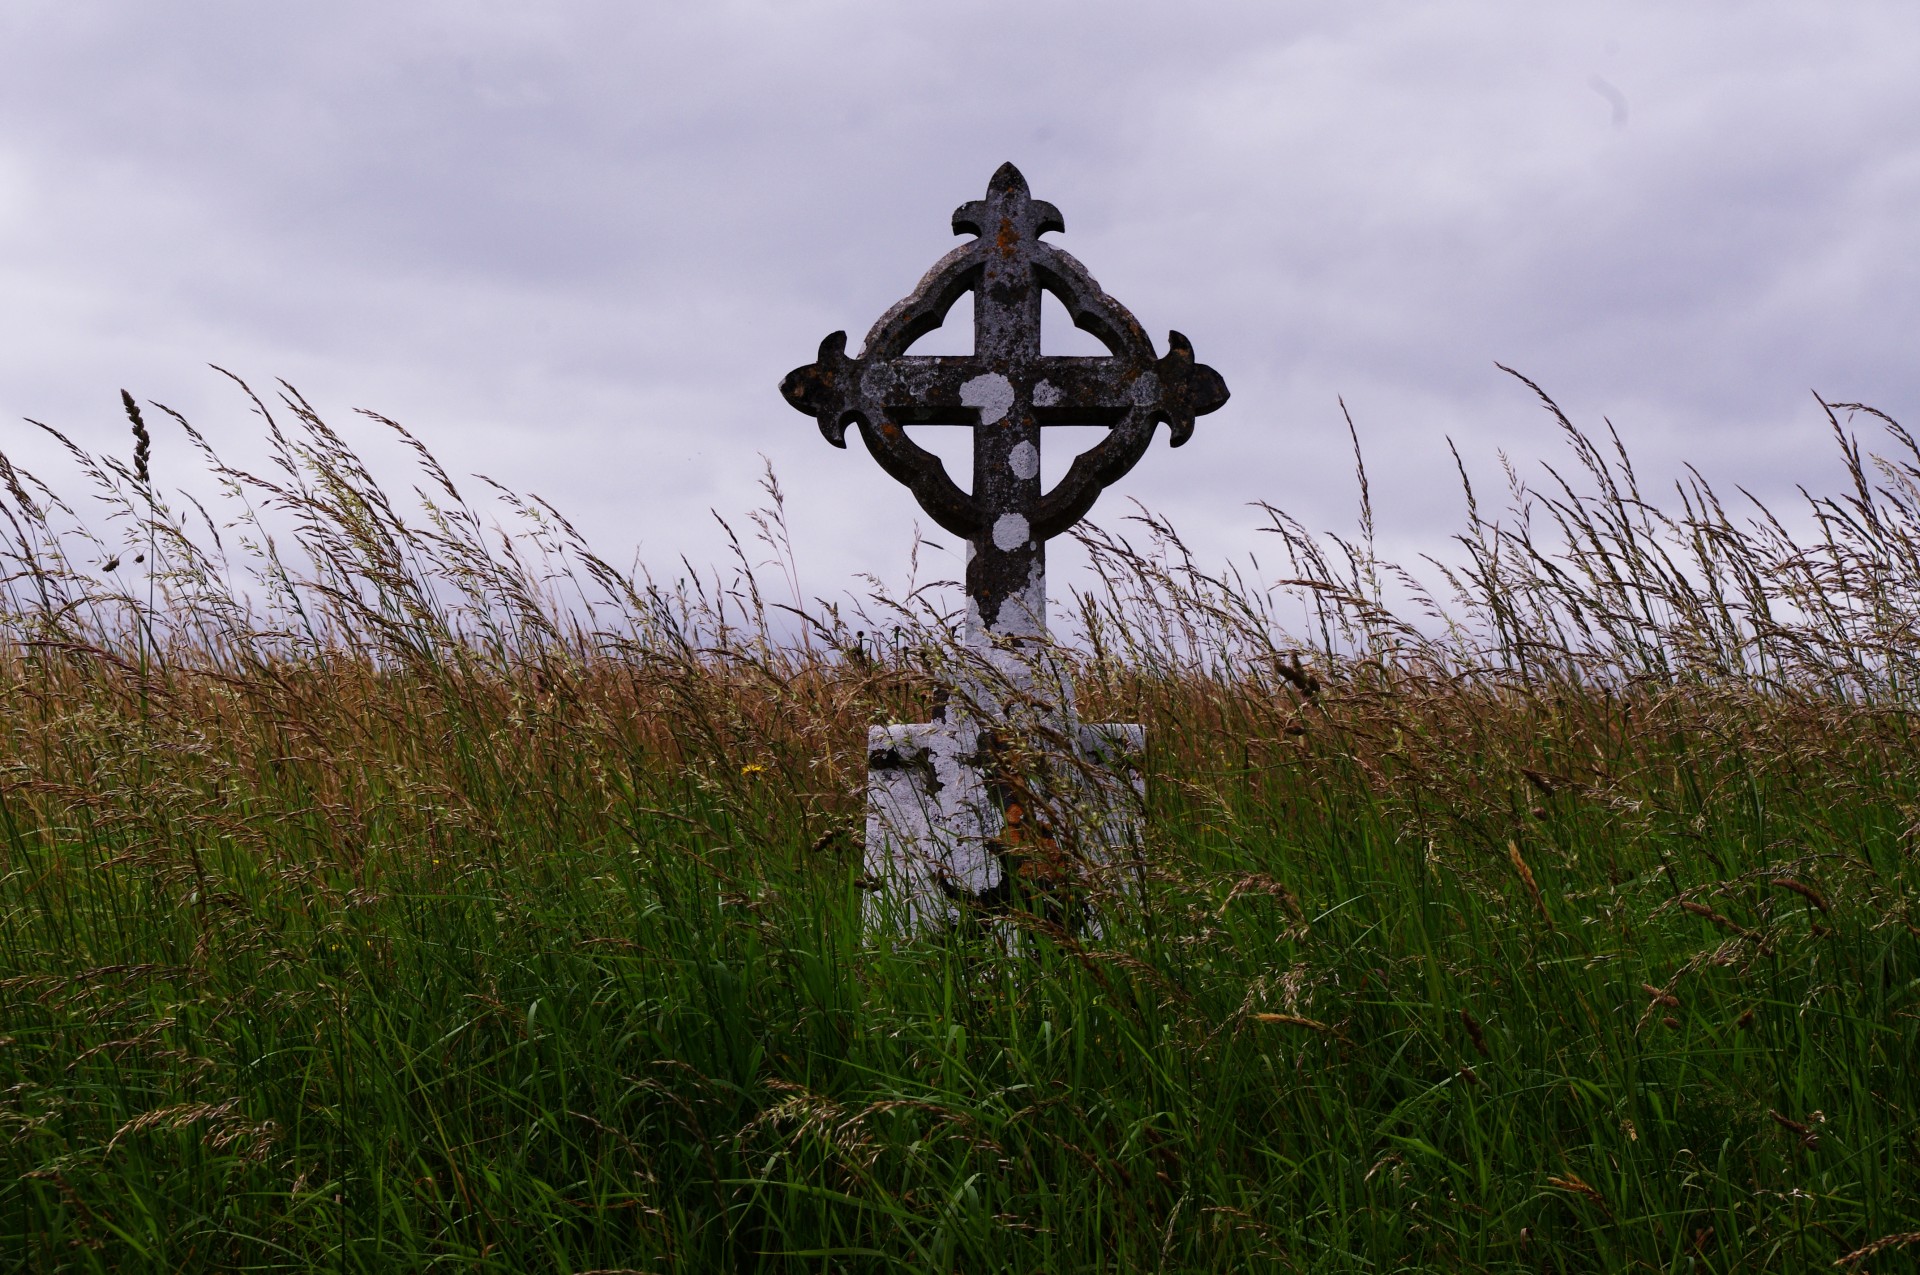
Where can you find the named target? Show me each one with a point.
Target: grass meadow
(385, 890)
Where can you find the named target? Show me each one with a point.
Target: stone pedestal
(962, 825)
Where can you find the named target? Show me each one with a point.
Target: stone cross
(943, 818)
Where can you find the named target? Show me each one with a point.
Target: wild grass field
(384, 891)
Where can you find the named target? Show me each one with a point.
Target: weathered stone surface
(953, 804)
(939, 840)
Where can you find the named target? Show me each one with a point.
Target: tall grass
(379, 891)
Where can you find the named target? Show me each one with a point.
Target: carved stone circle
(1006, 389)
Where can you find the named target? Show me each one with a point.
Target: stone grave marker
(1008, 792)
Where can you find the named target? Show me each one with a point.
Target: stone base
(941, 828)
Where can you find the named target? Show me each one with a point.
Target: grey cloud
(577, 245)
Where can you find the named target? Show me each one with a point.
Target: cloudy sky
(576, 245)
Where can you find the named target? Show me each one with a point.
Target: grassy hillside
(377, 893)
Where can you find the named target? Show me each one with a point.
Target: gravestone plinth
(948, 834)
(1009, 793)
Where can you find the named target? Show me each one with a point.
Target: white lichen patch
(1046, 394)
(1010, 530)
(1024, 460)
(992, 393)
(1025, 613)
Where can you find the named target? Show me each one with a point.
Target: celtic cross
(1006, 390)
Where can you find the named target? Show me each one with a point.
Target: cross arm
(1175, 389)
(838, 391)
(911, 390)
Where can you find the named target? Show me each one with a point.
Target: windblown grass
(377, 893)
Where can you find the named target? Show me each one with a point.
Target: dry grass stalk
(1879, 1246)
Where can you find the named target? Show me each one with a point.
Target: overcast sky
(576, 245)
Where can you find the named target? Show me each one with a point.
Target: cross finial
(1007, 212)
